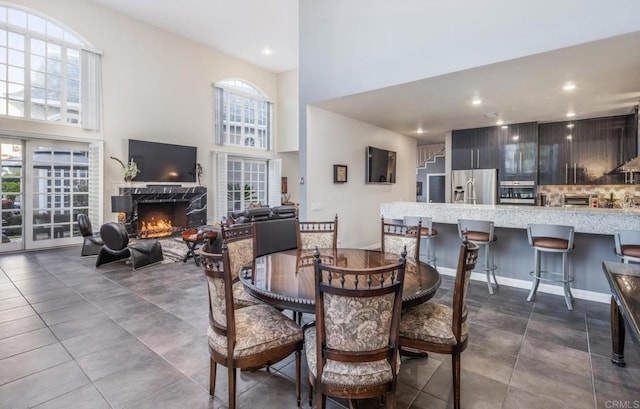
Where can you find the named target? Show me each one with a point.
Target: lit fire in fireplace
(155, 228)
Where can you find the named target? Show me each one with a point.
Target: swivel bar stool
(627, 245)
(550, 238)
(480, 232)
(428, 235)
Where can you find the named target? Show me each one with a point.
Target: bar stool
(428, 235)
(549, 238)
(627, 245)
(480, 232)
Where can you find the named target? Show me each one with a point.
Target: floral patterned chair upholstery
(440, 328)
(312, 235)
(251, 337)
(397, 236)
(352, 349)
(240, 240)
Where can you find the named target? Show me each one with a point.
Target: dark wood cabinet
(518, 151)
(584, 152)
(474, 149)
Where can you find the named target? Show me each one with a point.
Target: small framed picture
(339, 173)
(419, 189)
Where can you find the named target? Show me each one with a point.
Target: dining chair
(352, 348)
(439, 328)
(311, 235)
(240, 241)
(396, 236)
(253, 337)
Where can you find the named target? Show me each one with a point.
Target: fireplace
(164, 209)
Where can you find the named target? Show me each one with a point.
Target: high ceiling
(606, 72)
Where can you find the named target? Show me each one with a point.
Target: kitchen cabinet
(518, 151)
(584, 152)
(473, 149)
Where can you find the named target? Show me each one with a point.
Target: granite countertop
(584, 219)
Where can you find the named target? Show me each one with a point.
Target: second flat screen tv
(163, 162)
(381, 165)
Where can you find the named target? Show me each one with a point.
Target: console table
(624, 280)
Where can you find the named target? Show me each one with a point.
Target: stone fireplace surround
(194, 199)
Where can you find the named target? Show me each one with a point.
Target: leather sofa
(275, 227)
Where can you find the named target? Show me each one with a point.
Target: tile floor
(73, 336)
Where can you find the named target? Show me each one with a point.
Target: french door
(44, 186)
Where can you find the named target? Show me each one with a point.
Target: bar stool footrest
(554, 280)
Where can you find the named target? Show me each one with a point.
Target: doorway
(436, 188)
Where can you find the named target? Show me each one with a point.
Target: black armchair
(117, 247)
(92, 241)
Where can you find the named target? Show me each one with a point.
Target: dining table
(286, 279)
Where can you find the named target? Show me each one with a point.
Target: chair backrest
(467, 259)
(626, 238)
(480, 226)
(114, 236)
(551, 231)
(397, 236)
(84, 225)
(240, 240)
(216, 268)
(358, 313)
(425, 222)
(317, 234)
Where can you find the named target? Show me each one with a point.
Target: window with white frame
(242, 115)
(246, 183)
(41, 70)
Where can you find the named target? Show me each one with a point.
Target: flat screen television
(381, 166)
(163, 162)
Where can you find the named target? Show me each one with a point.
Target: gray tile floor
(73, 336)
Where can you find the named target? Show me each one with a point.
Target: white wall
(288, 111)
(336, 139)
(157, 86)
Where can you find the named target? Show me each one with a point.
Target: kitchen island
(514, 257)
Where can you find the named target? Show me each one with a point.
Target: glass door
(12, 193)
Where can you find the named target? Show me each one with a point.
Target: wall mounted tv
(163, 162)
(381, 166)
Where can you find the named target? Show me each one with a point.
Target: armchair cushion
(430, 322)
(258, 328)
(345, 373)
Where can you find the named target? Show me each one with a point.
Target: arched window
(47, 72)
(243, 115)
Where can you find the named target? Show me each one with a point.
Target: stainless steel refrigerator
(474, 186)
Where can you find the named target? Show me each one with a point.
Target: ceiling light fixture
(504, 126)
(499, 122)
(476, 101)
(569, 126)
(569, 137)
(569, 86)
(420, 131)
(571, 114)
(266, 51)
(515, 137)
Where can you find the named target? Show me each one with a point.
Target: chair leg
(536, 277)
(212, 377)
(232, 388)
(298, 353)
(321, 399)
(310, 394)
(568, 297)
(487, 267)
(390, 400)
(455, 366)
(493, 269)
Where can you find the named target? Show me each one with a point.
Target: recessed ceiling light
(569, 126)
(499, 122)
(504, 126)
(420, 131)
(570, 114)
(569, 137)
(569, 86)
(515, 137)
(476, 101)
(267, 51)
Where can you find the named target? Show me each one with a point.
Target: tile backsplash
(555, 192)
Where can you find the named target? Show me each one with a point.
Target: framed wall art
(339, 173)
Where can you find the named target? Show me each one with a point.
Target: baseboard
(543, 288)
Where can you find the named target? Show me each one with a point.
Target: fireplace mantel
(196, 196)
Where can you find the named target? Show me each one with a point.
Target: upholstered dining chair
(439, 328)
(240, 240)
(352, 348)
(396, 236)
(311, 235)
(627, 245)
(251, 337)
(92, 242)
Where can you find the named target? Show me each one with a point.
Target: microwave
(518, 192)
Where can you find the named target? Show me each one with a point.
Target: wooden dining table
(286, 279)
